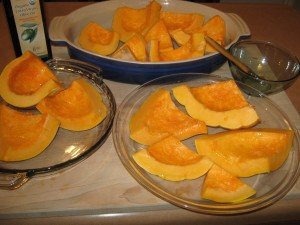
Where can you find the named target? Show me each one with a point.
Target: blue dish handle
(56, 31)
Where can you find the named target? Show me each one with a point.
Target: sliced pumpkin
(171, 151)
(153, 47)
(97, 39)
(27, 80)
(24, 135)
(128, 21)
(220, 104)
(138, 47)
(181, 53)
(171, 172)
(221, 186)
(247, 152)
(79, 107)
(185, 21)
(215, 28)
(158, 117)
(180, 37)
(159, 32)
(124, 53)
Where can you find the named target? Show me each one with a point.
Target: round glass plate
(186, 194)
(68, 147)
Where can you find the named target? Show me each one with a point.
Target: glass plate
(68, 147)
(186, 194)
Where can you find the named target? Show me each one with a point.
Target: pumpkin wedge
(128, 21)
(158, 117)
(171, 172)
(27, 80)
(24, 135)
(185, 21)
(159, 32)
(171, 151)
(247, 152)
(97, 39)
(221, 186)
(138, 46)
(79, 107)
(220, 104)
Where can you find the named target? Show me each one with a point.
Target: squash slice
(171, 151)
(128, 21)
(79, 107)
(24, 135)
(171, 172)
(97, 39)
(221, 186)
(185, 21)
(221, 104)
(247, 152)
(27, 80)
(158, 117)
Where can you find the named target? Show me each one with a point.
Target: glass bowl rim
(274, 45)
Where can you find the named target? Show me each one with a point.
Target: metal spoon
(230, 57)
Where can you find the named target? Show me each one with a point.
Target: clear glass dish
(186, 194)
(68, 147)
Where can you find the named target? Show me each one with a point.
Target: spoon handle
(224, 52)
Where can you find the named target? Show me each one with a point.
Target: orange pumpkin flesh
(137, 46)
(128, 21)
(234, 118)
(221, 96)
(221, 186)
(24, 135)
(158, 117)
(26, 80)
(97, 39)
(247, 152)
(78, 107)
(171, 151)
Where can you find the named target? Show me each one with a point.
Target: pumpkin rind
(79, 107)
(171, 172)
(231, 119)
(97, 39)
(247, 152)
(24, 135)
(220, 186)
(27, 80)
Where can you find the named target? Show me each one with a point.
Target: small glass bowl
(276, 68)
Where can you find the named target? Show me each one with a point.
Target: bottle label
(30, 28)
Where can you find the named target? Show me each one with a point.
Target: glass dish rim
(217, 209)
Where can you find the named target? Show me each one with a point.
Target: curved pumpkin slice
(138, 46)
(158, 117)
(128, 21)
(78, 107)
(221, 186)
(97, 39)
(171, 172)
(24, 135)
(217, 105)
(26, 80)
(247, 152)
(171, 151)
(185, 21)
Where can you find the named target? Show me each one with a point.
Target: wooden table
(100, 189)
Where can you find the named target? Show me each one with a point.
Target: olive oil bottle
(27, 27)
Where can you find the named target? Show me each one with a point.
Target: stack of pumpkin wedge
(239, 151)
(35, 104)
(150, 34)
